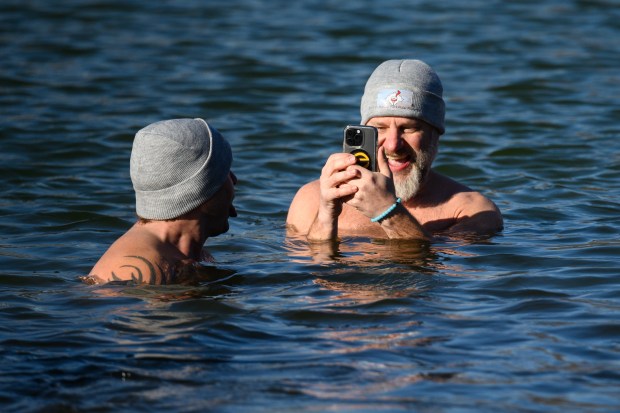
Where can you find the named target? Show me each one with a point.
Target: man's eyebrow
(379, 124)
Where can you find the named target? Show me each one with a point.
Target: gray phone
(361, 141)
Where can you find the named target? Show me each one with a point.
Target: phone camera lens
(358, 138)
(354, 137)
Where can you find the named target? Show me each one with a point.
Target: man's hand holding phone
(334, 184)
(375, 191)
(345, 178)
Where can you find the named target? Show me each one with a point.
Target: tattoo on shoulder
(153, 275)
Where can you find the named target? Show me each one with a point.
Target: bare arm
(316, 207)
(400, 224)
(303, 209)
(134, 268)
(137, 257)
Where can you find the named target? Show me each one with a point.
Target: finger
(359, 171)
(382, 161)
(338, 162)
(342, 191)
(340, 178)
(361, 176)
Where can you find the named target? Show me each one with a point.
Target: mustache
(403, 154)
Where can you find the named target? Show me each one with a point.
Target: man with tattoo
(180, 170)
(406, 198)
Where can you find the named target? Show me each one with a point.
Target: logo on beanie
(395, 98)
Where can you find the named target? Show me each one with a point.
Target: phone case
(361, 141)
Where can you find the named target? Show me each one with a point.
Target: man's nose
(392, 140)
(232, 212)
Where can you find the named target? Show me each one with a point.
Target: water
(525, 321)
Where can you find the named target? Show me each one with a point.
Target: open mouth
(399, 162)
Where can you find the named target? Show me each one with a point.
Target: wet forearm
(323, 227)
(402, 225)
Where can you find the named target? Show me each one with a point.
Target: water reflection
(359, 250)
(367, 270)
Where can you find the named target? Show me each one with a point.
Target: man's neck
(424, 196)
(182, 234)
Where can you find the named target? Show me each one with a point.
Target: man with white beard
(405, 198)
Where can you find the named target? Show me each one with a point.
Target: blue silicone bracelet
(386, 212)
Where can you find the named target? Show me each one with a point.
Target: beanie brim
(420, 105)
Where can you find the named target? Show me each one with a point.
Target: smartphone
(361, 141)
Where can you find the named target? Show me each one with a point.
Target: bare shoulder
(132, 257)
(470, 201)
(473, 212)
(462, 208)
(303, 208)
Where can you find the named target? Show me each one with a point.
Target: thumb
(382, 162)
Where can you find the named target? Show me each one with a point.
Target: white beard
(407, 186)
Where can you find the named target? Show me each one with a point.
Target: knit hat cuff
(404, 102)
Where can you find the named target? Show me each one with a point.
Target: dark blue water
(526, 321)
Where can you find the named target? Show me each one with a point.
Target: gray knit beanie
(404, 88)
(176, 165)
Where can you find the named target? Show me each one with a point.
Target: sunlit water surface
(527, 320)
